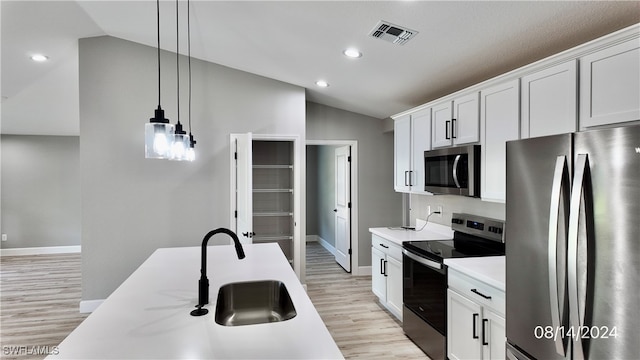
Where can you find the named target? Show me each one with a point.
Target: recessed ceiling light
(322, 83)
(39, 57)
(352, 53)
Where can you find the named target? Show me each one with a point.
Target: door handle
(475, 328)
(381, 266)
(446, 130)
(335, 210)
(453, 128)
(406, 183)
(578, 193)
(560, 179)
(455, 170)
(484, 332)
(475, 291)
(385, 268)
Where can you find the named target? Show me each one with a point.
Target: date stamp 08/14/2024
(581, 332)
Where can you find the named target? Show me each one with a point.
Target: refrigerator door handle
(560, 176)
(455, 170)
(576, 319)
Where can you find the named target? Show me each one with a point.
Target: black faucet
(203, 283)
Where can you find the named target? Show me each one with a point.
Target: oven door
(425, 289)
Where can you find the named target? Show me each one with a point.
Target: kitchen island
(147, 317)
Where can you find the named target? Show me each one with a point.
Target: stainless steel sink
(256, 302)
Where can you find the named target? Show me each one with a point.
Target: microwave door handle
(560, 176)
(455, 171)
(576, 320)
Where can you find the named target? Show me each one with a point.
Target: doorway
(331, 192)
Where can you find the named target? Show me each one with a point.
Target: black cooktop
(463, 245)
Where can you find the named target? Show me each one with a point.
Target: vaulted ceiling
(458, 43)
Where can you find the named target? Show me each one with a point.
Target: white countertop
(430, 232)
(147, 317)
(488, 269)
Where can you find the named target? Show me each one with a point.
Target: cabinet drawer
(476, 290)
(386, 246)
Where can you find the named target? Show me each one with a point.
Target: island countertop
(147, 317)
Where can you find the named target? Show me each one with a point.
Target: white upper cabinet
(466, 122)
(610, 85)
(549, 101)
(412, 137)
(402, 153)
(499, 116)
(456, 122)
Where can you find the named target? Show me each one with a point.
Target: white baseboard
(41, 250)
(325, 244)
(89, 306)
(364, 271)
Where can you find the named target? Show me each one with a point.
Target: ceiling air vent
(392, 33)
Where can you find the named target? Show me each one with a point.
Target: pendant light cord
(178, 61)
(158, 25)
(189, 57)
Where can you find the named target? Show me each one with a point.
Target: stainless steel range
(425, 277)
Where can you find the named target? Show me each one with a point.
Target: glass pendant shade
(158, 136)
(180, 144)
(191, 151)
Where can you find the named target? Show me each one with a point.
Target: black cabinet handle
(381, 266)
(335, 210)
(406, 183)
(475, 333)
(384, 246)
(453, 128)
(481, 294)
(385, 268)
(446, 130)
(484, 332)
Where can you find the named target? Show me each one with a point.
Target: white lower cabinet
(386, 274)
(475, 319)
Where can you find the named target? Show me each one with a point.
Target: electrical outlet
(439, 209)
(4, 237)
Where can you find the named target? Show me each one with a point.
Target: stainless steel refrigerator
(573, 246)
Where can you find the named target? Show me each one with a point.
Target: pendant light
(180, 142)
(158, 131)
(191, 152)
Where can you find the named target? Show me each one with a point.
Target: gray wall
(326, 193)
(40, 191)
(132, 206)
(379, 204)
(451, 204)
(321, 192)
(312, 190)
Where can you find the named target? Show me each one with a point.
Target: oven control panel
(492, 229)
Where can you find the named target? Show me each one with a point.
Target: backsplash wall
(450, 204)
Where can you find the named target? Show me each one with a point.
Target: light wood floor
(39, 297)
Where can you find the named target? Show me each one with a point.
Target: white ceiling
(459, 43)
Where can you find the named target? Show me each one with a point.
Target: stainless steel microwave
(453, 171)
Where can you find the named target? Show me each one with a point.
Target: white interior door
(343, 207)
(243, 186)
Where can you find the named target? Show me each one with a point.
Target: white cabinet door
(394, 285)
(500, 122)
(464, 327)
(494, 335)
(549, 101)
(402, 153)
(466, 122)
(610, 85)
(378, 278)
(420, 142)
(441, 116)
